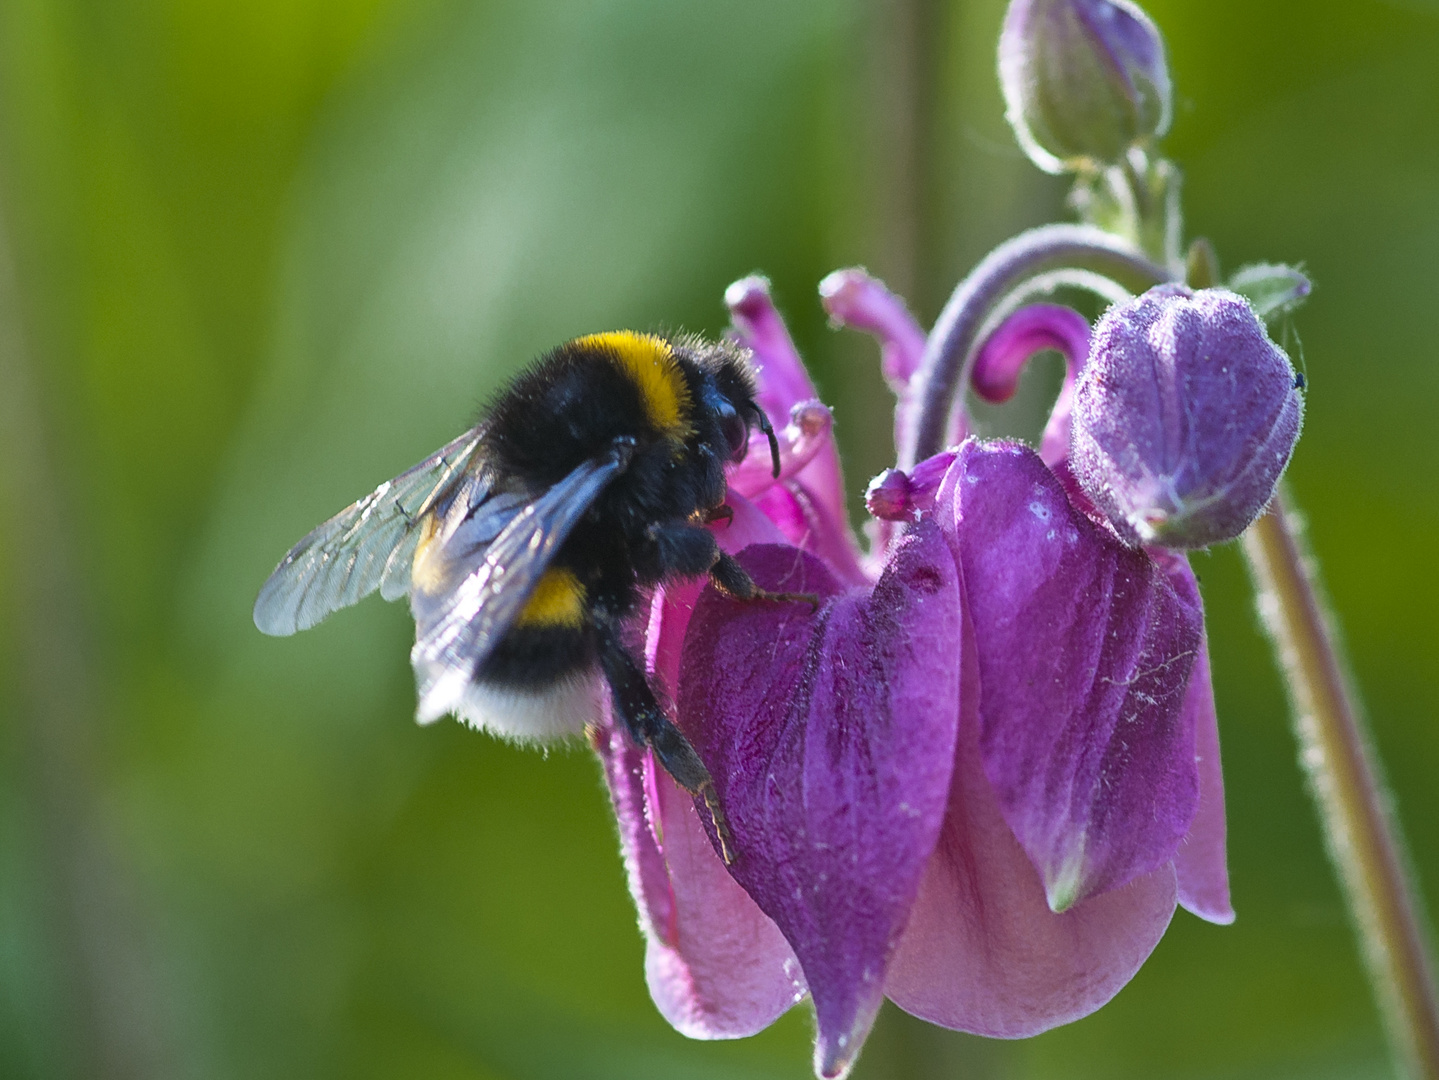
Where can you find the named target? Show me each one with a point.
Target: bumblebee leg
(732, 578)
(723, 512)
(675, 549)
(688, 550)
(648, 725)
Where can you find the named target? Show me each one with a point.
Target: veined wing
(366, 546)
(454, 638)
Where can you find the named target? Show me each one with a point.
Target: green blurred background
(259, 255)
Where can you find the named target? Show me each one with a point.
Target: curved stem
(949, 351)
(1344, 776)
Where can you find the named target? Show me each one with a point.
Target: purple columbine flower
(1097, 727)
(975, 779)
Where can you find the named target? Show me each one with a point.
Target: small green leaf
(1272, 289)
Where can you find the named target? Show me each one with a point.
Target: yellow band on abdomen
(558, 600)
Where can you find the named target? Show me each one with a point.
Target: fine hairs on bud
(1083, 80)
(1184, 418)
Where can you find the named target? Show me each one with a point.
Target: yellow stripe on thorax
(558, 600)
(649, 362)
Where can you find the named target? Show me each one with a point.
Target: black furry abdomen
(533, 658)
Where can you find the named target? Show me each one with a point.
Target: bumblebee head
(728, 400)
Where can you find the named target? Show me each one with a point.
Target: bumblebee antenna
(764, 425)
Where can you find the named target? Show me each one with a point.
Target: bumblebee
(526, 544)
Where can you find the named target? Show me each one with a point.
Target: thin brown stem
(1344, 775)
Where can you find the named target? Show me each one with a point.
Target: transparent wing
(455, 637)
(366, 546)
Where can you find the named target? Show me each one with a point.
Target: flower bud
(1084, 80)
(1184, 418)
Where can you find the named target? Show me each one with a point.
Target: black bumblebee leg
(686, 550)
(733, 579)
(648, 725)
(674, 549)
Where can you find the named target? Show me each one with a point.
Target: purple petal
(1029, 330)
(783, 380)
(807, 522)
(830, 735)
(817, 504)
(1084, 653)
(982, 952)
(854, 298)
(673, 604)
(717, 967)
(1201, 862)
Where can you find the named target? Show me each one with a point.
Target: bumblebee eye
(735, 431)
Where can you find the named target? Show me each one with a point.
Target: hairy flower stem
(1359, 826)
(949, 352)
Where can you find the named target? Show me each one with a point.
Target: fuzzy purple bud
(1184, 418)
(1083, 80)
